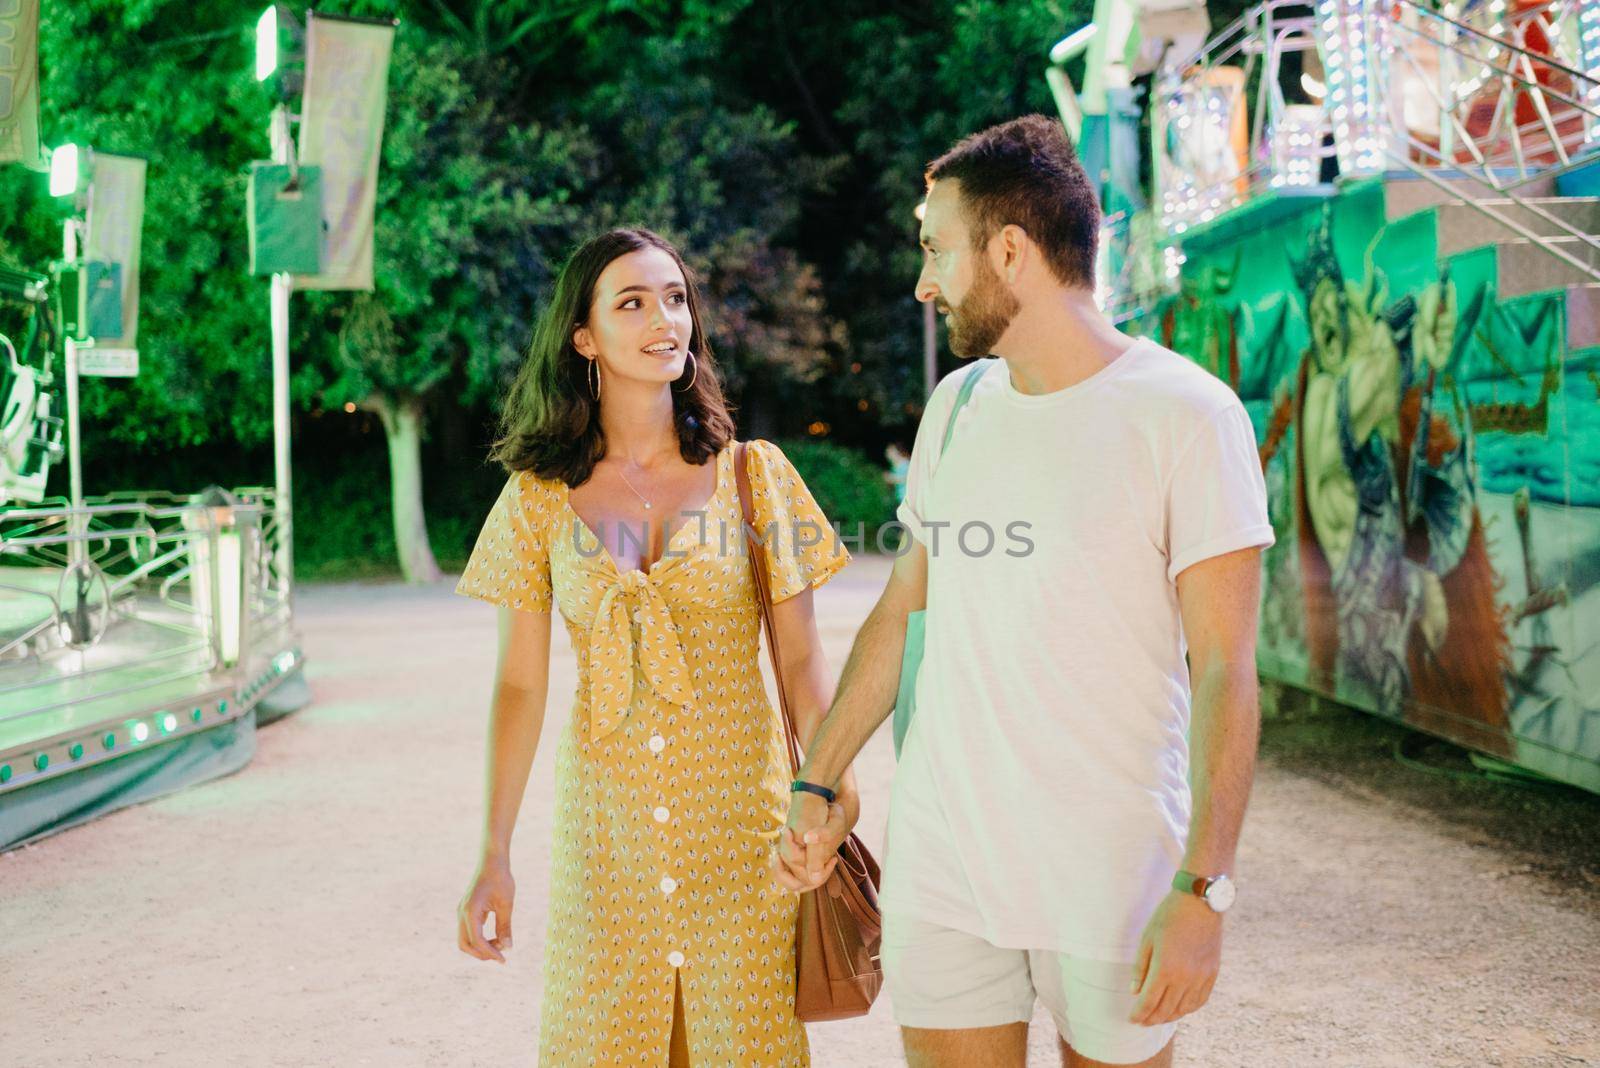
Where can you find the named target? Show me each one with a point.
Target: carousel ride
(145, 635)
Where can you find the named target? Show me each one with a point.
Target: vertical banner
(19, 82)
(116, 220)
(341, 131)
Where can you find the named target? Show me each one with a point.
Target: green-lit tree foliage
(780, 144)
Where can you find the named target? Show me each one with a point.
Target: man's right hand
(799, 866)
(492, 891)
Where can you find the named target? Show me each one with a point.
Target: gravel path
(302, 912)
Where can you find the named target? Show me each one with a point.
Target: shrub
(849, 488)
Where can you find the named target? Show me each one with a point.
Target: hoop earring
(593, 379)
(693, 374)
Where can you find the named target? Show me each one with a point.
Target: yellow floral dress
(671, 775)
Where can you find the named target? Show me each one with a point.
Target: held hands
(492, 891)
(808, 845)
(1179, 956)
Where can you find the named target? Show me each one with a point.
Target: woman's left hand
(807, 857)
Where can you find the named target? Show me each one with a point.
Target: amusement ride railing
(1512, 102)
(1481, 103)
(198, 579)
(1212, 150)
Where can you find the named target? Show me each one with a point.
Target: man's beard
(978, 322)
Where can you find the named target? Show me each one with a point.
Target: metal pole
(213, 537)
(78, 551)
(284, 499)
(250, 548)
(280, 289)
(930, 352)
(77, 526)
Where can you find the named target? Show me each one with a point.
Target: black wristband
(812, 788)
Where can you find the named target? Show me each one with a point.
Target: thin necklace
(636, 493)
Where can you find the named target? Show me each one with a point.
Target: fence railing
(1213, 148)
(1497, 96)
(1512, 94)
(196, 581)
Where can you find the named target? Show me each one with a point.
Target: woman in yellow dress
(670, 942)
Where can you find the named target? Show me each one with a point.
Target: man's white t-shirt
(1042, 796)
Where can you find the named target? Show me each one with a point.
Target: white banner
(116, 220)
(19, 83)
(341, 131)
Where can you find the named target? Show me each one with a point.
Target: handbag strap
(961, 399)
(758, 570)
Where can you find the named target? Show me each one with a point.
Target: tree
(780, 146)
(170, 82)
(724, 181)
(883, 92)
(467, 201)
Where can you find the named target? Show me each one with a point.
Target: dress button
(675, 959)
(668, 884)
(657, 743)
(661, 815)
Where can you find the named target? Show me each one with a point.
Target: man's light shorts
(942, 979)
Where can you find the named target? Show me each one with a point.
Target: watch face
(1220, 894)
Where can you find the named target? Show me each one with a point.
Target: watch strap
(812, 788)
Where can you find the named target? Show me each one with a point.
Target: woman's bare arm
(516, 717)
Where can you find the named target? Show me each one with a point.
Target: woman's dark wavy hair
(551, 424)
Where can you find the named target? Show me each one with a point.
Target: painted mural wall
(1432, 458)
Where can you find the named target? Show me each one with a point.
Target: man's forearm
(811, 692)
(864, 699)
(1225, 725)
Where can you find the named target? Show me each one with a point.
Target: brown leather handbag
(837, 973)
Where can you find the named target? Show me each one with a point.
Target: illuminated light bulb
(65, 165)
(267, 43)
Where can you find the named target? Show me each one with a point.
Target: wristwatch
(1217, 891)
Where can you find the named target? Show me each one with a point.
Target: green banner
(285, 219)
(19, 83)
(341, 131)
(116, 219)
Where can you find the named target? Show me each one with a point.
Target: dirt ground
(302, 912)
